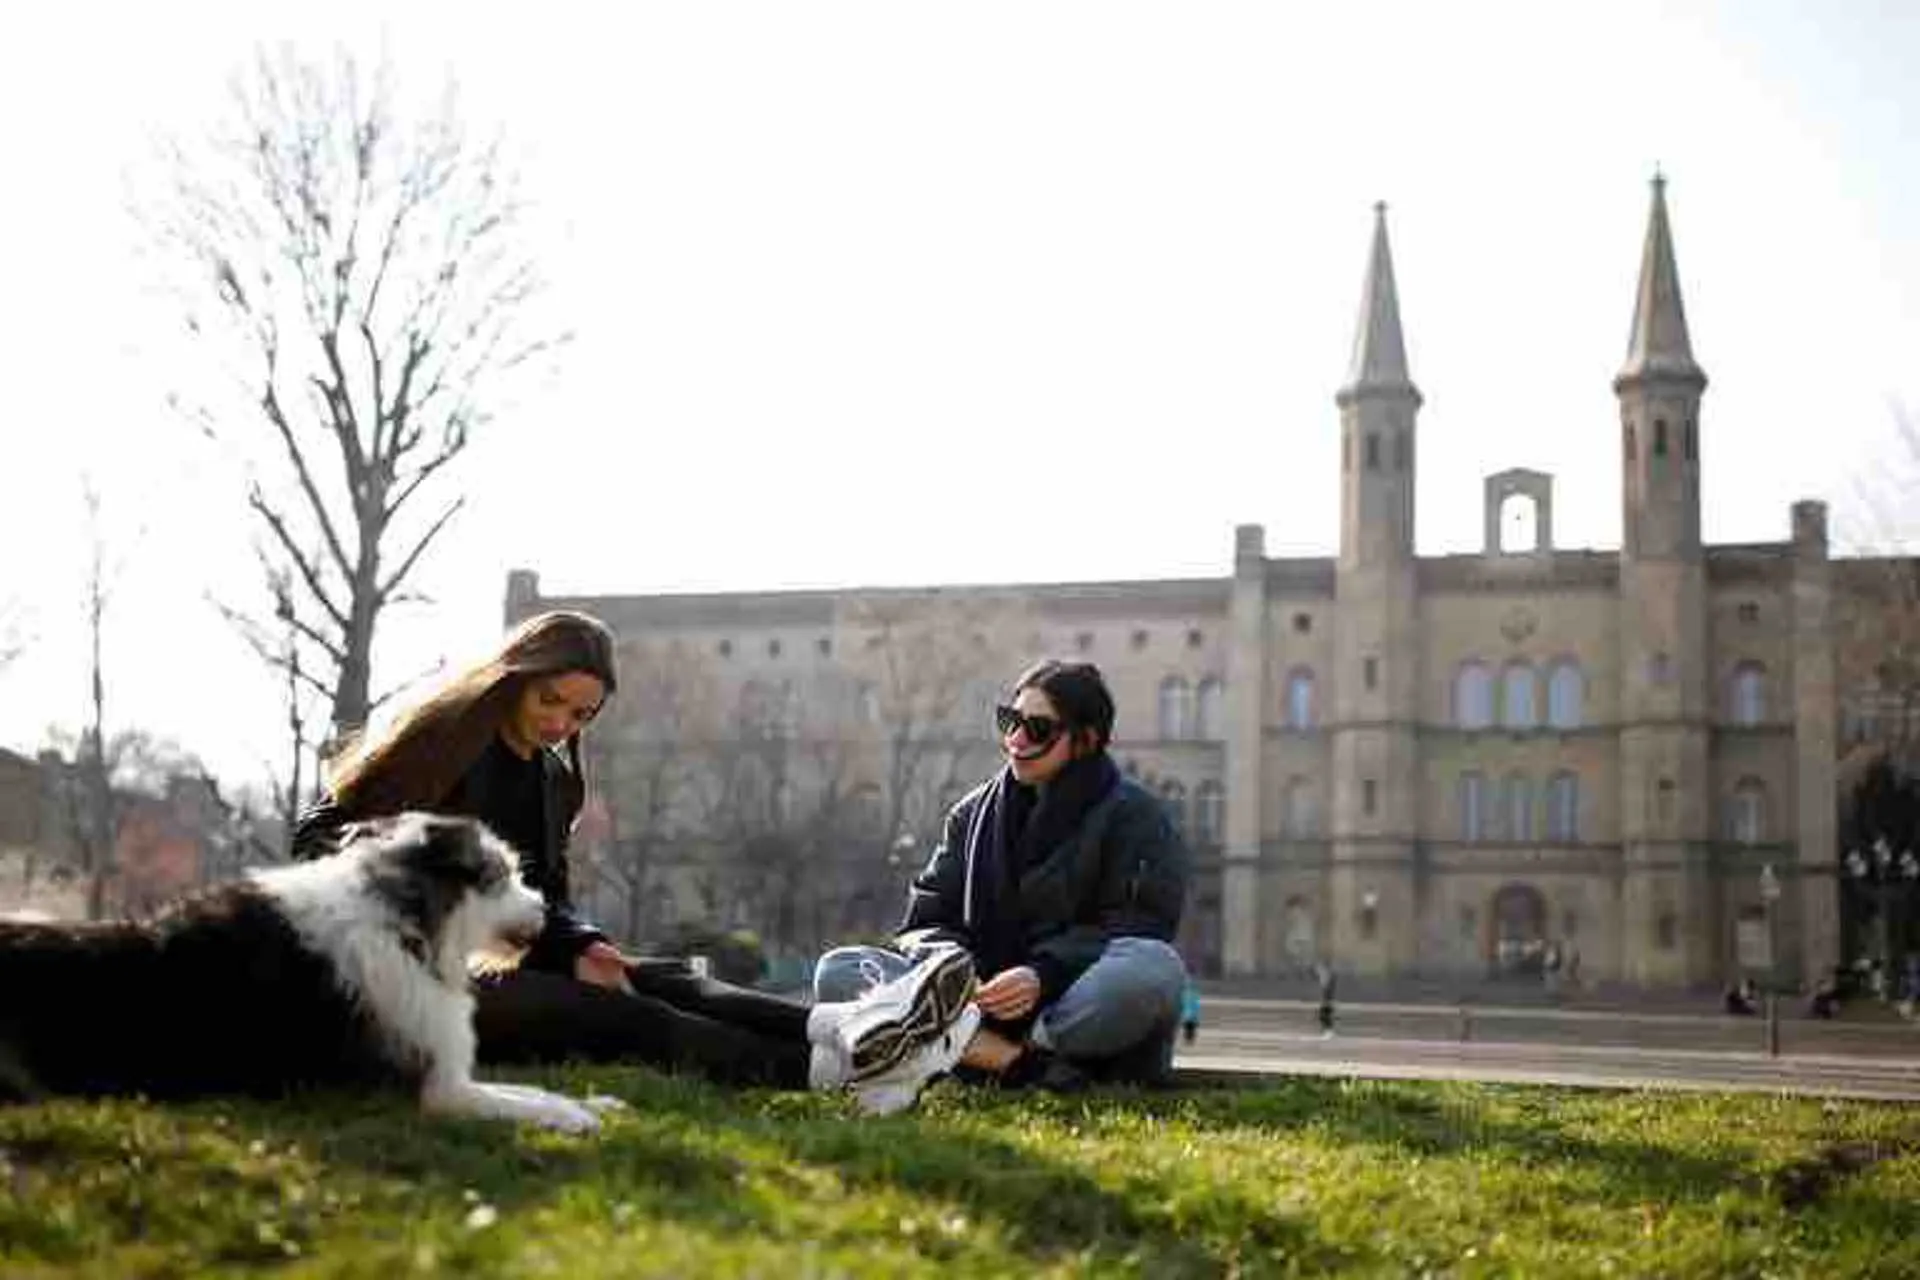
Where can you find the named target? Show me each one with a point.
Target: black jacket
(544, 869)
(1122, 873)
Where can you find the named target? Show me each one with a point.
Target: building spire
(1659, 347)
(1379, 350)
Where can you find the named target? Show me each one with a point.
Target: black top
(531, 804)
(509, 795)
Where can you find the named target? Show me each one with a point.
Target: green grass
(1300, 1177)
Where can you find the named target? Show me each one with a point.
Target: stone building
(1449, 766)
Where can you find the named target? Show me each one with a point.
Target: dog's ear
(459, 850)
(421, 868)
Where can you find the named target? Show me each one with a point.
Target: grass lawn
(1299, 1177)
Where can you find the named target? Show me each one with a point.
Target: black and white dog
(348, 971)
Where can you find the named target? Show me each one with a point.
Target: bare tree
(279, 647)
(242, 835)
(92, 811)
(930, 663)
(800, 803)
(104, 778)
(827, 891)
(745, 800)
(1878, 606)
(649, 777)
(361, 274)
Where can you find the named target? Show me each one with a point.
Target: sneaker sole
(941, 996)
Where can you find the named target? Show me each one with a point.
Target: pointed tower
(1659, 390)
(1373, 888)
(1377, 408)
(1669, 923)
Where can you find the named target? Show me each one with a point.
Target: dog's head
(453, 887)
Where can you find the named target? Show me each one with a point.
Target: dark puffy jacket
(1122, 873)
(544, 869)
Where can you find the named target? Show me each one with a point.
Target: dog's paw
(567, 1116)
(602, 1104)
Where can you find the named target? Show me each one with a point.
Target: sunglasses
(1040, 730)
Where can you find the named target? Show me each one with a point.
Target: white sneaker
(882, 1028)
(898, 1089)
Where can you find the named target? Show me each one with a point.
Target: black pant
(675, 1021)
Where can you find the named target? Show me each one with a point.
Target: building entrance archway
(1517, 930)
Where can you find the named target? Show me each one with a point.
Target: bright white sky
(904, 293)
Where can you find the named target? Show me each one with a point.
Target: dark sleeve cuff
(560, 944)
(1055, 978)
(316, 833)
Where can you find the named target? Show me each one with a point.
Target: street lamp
(1770, 895)
(1881, 867)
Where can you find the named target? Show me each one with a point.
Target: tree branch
(309, 574)
(386, 589)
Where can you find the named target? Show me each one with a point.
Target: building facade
(1452, 766)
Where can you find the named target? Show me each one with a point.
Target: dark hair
(417, 761)
(1078, 692)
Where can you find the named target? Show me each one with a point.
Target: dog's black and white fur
(348, 971)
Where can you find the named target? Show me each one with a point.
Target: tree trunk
(353, 698)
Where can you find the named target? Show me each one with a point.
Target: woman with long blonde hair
(500, 742)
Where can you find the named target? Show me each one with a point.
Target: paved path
(1566, 1047)
(1706, 1028)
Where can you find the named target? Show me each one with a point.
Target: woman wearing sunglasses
(1065, 882)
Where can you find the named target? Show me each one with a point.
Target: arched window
(1176, 709)
(1209, 812)
(1563, 808)
(1518, 798)
(1747, 812)
(1300, 708)
(1566, 695)
(1473, 806)
(1472, 696)
(1747, 694)
(1517, 709)
(1301, 817)
(1213, 718)
(1175, 797)
(1519, 523)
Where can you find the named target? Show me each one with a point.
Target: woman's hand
(602, 965)
(1011, 993)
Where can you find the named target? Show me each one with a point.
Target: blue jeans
(1124, 1009)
